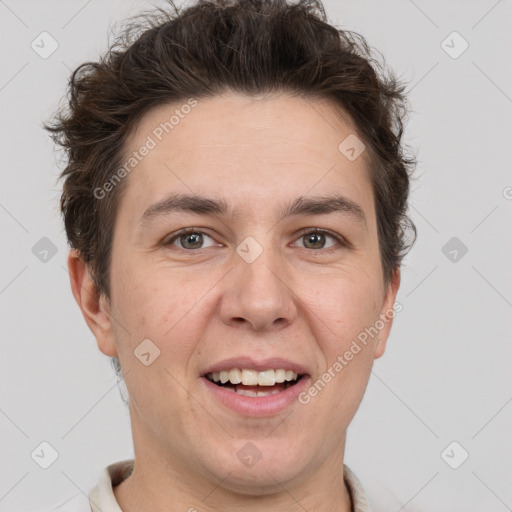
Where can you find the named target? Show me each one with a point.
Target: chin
(259, 467)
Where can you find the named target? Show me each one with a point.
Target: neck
(164, 486)
(167, 478)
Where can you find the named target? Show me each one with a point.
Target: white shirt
(102, 499)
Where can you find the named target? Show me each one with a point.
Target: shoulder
(101, 497)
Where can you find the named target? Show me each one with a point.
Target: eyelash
(341, 241)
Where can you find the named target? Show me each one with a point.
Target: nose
(257, 294)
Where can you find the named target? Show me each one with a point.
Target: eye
(190, 240)
(316, 239)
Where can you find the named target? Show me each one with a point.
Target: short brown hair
(246, 46)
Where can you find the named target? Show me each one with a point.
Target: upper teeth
(252, 377)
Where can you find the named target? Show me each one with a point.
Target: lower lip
(257, 405)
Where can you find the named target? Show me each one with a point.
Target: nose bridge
(257, 292)
(261, 275)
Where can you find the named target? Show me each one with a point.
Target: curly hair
(247, 46)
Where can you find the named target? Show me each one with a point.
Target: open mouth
(253, 383)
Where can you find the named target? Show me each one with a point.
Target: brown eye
(319, 240)
(314, 240)
(191, 240)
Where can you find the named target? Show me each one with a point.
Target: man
(235, 199)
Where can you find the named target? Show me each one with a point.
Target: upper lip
(260, 365)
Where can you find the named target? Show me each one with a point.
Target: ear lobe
(94, 307)
(388, 312)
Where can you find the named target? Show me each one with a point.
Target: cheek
(345, 306)
(344, 310)
(154, 308)
(167, 307)
(348, 307)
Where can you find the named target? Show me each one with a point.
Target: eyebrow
(189, 203)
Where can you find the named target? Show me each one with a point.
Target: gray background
(446, 374)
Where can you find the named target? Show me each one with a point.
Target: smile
(255, 393)
(254, 383)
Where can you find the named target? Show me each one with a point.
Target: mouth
(254, 383)
(255, 388)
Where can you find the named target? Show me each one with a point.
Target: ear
(388, 312)
(95, 307)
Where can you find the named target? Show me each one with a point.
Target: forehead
(252, 150)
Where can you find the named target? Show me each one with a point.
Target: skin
(202, 306)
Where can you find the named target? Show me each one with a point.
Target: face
(278, 269)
